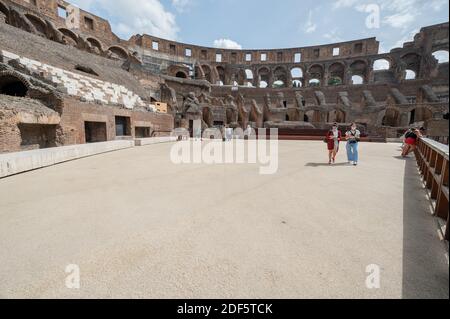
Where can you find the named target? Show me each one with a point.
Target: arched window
(10, 85)
(410, 75)
(263, 84)
(357, 80)
(314, 82)
(381, 64)
(181, 75)
(278, 84)
(297, 73)
(441, 56)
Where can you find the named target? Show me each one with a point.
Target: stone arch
(199, 74)
(358, 69)
(38, 23)
(411, 61)
(382, 64)
(207, 72)
(96, 45)
(70, 36)
(315, 74)
(240, 77)
(221, 75)
(280, 77)
(181, 75)
(118, 52)
(264, 77)
(297, 76)
(13, 84)
(441, 56)
(336, 73)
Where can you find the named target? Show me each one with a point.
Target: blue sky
(253, 24)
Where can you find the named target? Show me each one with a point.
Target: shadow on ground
(425, 266)
(326, 164)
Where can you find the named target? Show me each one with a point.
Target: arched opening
(278, 84)
(12, 86)
(305, 118)
(411, 63)
(280, 77)
(118, 53)
(240, 78)
(314, 82)
(410, 75)
(391, 118)
(297, 77)
(441, 56)
(381, 64)
(357, 80)
(221, 73)
(38, 23)
(264, 77)
(287, 118)
(358, 71)
(297, 73)
(336, 71)
(316, 75)
(207, 71)
(70, 37)
(96, 45)
(181, 75)
(297, 84)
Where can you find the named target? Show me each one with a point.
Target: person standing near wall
(411, 139)
(353, 137)
(332, 139)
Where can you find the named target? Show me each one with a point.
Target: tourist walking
(353, 137)
(410, 141)
(333, 137)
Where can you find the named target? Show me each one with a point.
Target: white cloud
(310, 26)
(333, 36)
(400, 20)
(344, 3)
(180, 5)
(134, 16)
(227, 44)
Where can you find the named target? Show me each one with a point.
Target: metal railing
(432, 158)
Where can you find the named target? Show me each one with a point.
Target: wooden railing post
(433, 162)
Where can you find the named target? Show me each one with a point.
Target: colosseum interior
(71, 80)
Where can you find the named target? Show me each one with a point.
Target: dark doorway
(36, 136)
(12, 86)
(413, 117)
(142, 132)
(95, 132)
(123, 126)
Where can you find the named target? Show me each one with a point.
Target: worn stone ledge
(155, 140)
(15, 163)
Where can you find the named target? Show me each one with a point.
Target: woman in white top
(353, 136)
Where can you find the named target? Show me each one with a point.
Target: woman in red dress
(333, 138)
